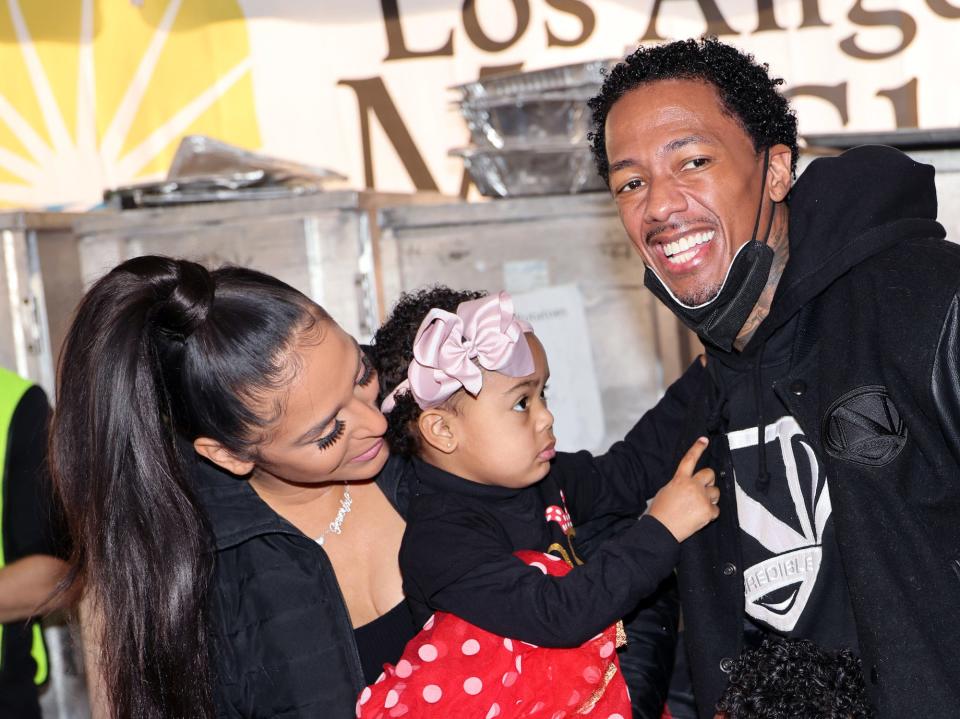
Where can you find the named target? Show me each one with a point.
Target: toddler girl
(471, 412)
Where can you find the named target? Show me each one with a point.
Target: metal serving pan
(554, 169)
(589, 74)
(550, 117)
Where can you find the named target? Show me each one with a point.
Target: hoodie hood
(843, 210)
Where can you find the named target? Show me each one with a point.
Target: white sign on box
(573, 394)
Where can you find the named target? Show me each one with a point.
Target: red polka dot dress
(455, 669)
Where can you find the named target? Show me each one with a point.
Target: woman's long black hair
(160, 348)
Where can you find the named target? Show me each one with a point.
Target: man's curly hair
(392, 351)
(789, 678)
(747, 92)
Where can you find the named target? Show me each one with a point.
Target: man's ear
(221, 456)
(779, 176)
(436, 430)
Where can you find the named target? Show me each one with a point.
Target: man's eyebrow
(682, 142)
(622, 165)
(671, 146)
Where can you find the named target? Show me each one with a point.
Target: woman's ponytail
(160, 350)
(141, 551)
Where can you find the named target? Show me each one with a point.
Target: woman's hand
(689, 501)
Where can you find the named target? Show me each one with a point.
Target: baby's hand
(689, 501)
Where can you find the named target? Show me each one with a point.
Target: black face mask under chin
(718, 321)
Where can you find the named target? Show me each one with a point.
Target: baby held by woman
(516, 624)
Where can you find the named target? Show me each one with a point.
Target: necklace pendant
(336, 526)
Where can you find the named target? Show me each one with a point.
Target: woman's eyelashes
(331, 437)
(367, 371)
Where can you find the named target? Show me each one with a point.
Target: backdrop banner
(97, 93)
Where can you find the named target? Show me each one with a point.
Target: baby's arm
(621, 481)
(486, 585)
(460, 561)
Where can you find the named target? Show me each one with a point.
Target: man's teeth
(682, 250)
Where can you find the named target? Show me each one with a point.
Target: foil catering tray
(202, 156)
(550, 117)
(530, 82)
(207, 170)
(557, 169)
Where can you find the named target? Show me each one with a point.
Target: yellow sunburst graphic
(97, 94)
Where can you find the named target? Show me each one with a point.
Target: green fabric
(12, 389)
(39, 652)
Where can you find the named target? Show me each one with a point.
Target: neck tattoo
(781, 249)
(336, 526)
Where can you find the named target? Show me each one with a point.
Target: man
(29, 571)
(830, 313)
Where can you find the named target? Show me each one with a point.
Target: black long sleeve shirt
(457, 552)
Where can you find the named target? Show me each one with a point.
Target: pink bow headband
(485, 330)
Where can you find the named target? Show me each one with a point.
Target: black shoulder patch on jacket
(864, 426)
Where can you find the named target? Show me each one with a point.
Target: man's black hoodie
(870, 293)
(844, 210)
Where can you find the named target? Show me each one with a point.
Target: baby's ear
(436, 430)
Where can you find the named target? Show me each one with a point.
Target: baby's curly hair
(392, 351)
(788, 678)
(746, 90)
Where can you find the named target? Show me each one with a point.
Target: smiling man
(831, 316)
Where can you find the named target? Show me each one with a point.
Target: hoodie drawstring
(716, 405)
(763, 477)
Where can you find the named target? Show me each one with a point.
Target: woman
(205, 592)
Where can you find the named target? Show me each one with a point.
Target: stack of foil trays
(529, 131)
(207, 170)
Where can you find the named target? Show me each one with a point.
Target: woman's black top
(282, 642)
(382, 640)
